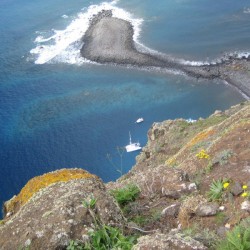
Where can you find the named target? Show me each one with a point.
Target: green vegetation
(210, 121)
(220, 218)
(107, 237)
(216, 189)
(209, 167)
(237, 239)
(206, 236)
(223, 156)
(142, 220)
(75, 245)
(89, 203)
(125, 195)
(104, 237)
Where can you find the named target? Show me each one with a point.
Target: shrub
(223, 156)
(125, 195)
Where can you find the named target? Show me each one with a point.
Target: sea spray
(63, 46)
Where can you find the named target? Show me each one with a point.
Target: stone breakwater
(110, 40)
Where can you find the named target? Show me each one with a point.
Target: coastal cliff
(189, 188)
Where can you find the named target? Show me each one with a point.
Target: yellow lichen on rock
(39, 182)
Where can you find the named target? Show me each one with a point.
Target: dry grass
(188, 208)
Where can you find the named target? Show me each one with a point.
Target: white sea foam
(246, 11)
(64, 45)
(193, 63)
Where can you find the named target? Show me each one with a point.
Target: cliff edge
(189, 189)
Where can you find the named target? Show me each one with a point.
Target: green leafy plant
(75, 245)
(107, 237)
(89, 203)
(237, 239)
(104, 237)
(216, 189)
(125, 195)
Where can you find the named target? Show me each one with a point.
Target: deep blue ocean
(60, 111)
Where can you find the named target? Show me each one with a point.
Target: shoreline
(110, 40)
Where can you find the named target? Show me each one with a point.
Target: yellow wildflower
(238, 235)
(202, 155)
(245, 194)
(225, 185)
(244, 187)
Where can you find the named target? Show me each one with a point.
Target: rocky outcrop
(174, 240)
(177, 207)
(176, 169)
(55, 213)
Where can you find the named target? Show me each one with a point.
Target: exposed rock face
(55, 214)
(173, 240)
(207, 209)
(170, 170)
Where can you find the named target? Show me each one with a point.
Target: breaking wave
(63, 46)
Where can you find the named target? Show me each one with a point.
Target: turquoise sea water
(57, 111)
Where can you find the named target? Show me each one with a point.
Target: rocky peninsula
(110, 40)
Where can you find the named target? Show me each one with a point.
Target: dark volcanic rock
(110, 40)
(236, 189)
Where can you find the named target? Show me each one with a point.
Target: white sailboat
(132, 146)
